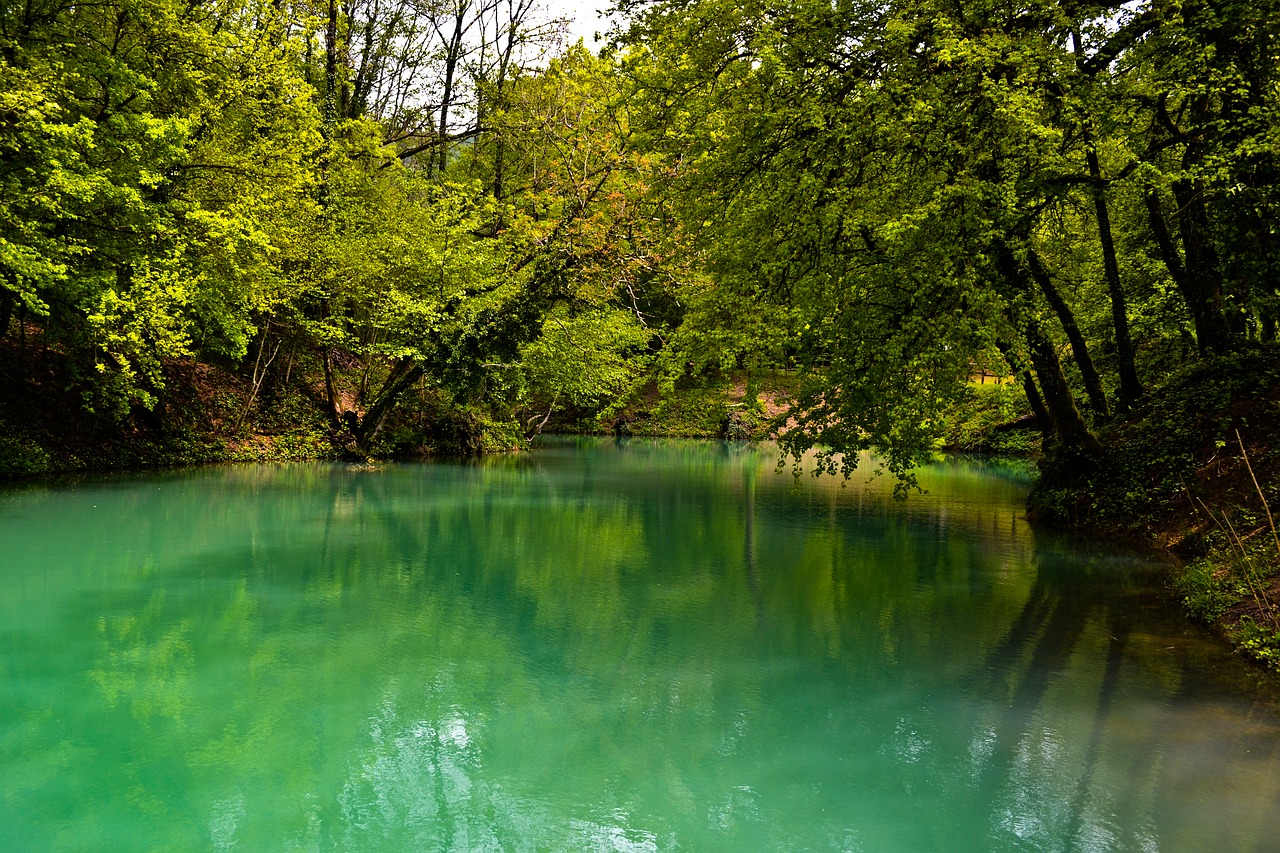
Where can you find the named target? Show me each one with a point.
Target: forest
(896, 241)
(381, 226)
(873, 231)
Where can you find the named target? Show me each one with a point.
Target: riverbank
(202, 418)
(211, 413)
(1195, 470)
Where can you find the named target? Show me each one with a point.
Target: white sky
(586, 20)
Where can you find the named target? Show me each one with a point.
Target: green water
(602, 646)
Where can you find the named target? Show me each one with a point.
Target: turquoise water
(602, 646)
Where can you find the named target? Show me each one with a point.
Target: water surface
(603, 646)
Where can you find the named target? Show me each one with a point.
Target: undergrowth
(1157, 456)
(1236, 584)
(731, 405)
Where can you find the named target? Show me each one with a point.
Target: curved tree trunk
(1071, 430)
(1036, 402)
(1068, 426)
(403, 376)
(1160, 229)
(1043, 422)
(1079, 349)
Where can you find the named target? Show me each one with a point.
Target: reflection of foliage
(647, 629)
(152, 671)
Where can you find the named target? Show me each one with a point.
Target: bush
(20, 457)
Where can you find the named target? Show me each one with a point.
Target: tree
(893, 186)
(153, 146)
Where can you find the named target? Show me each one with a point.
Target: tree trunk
(307, 58)
(1130, 386)
(403, 375)
(366, 73)
(1079, 349)
(1018, 365)
(22, 341)
(499, 155)
(259, 375)
(1160, 229)
(331, 64)
(1069, 427)
(330, 391)
(1036, 402)
(452, 57)
(1203, 290)
(344, 59)
(504, 62)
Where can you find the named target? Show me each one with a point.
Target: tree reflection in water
(637, 646)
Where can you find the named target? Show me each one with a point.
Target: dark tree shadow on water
(1065, 600)
(1119, 624)
(1128, 776)
(1048, 630)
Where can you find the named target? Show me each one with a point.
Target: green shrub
(1204, 593)
(1259, 642)
(20, 457)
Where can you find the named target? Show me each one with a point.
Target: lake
(604, 645)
